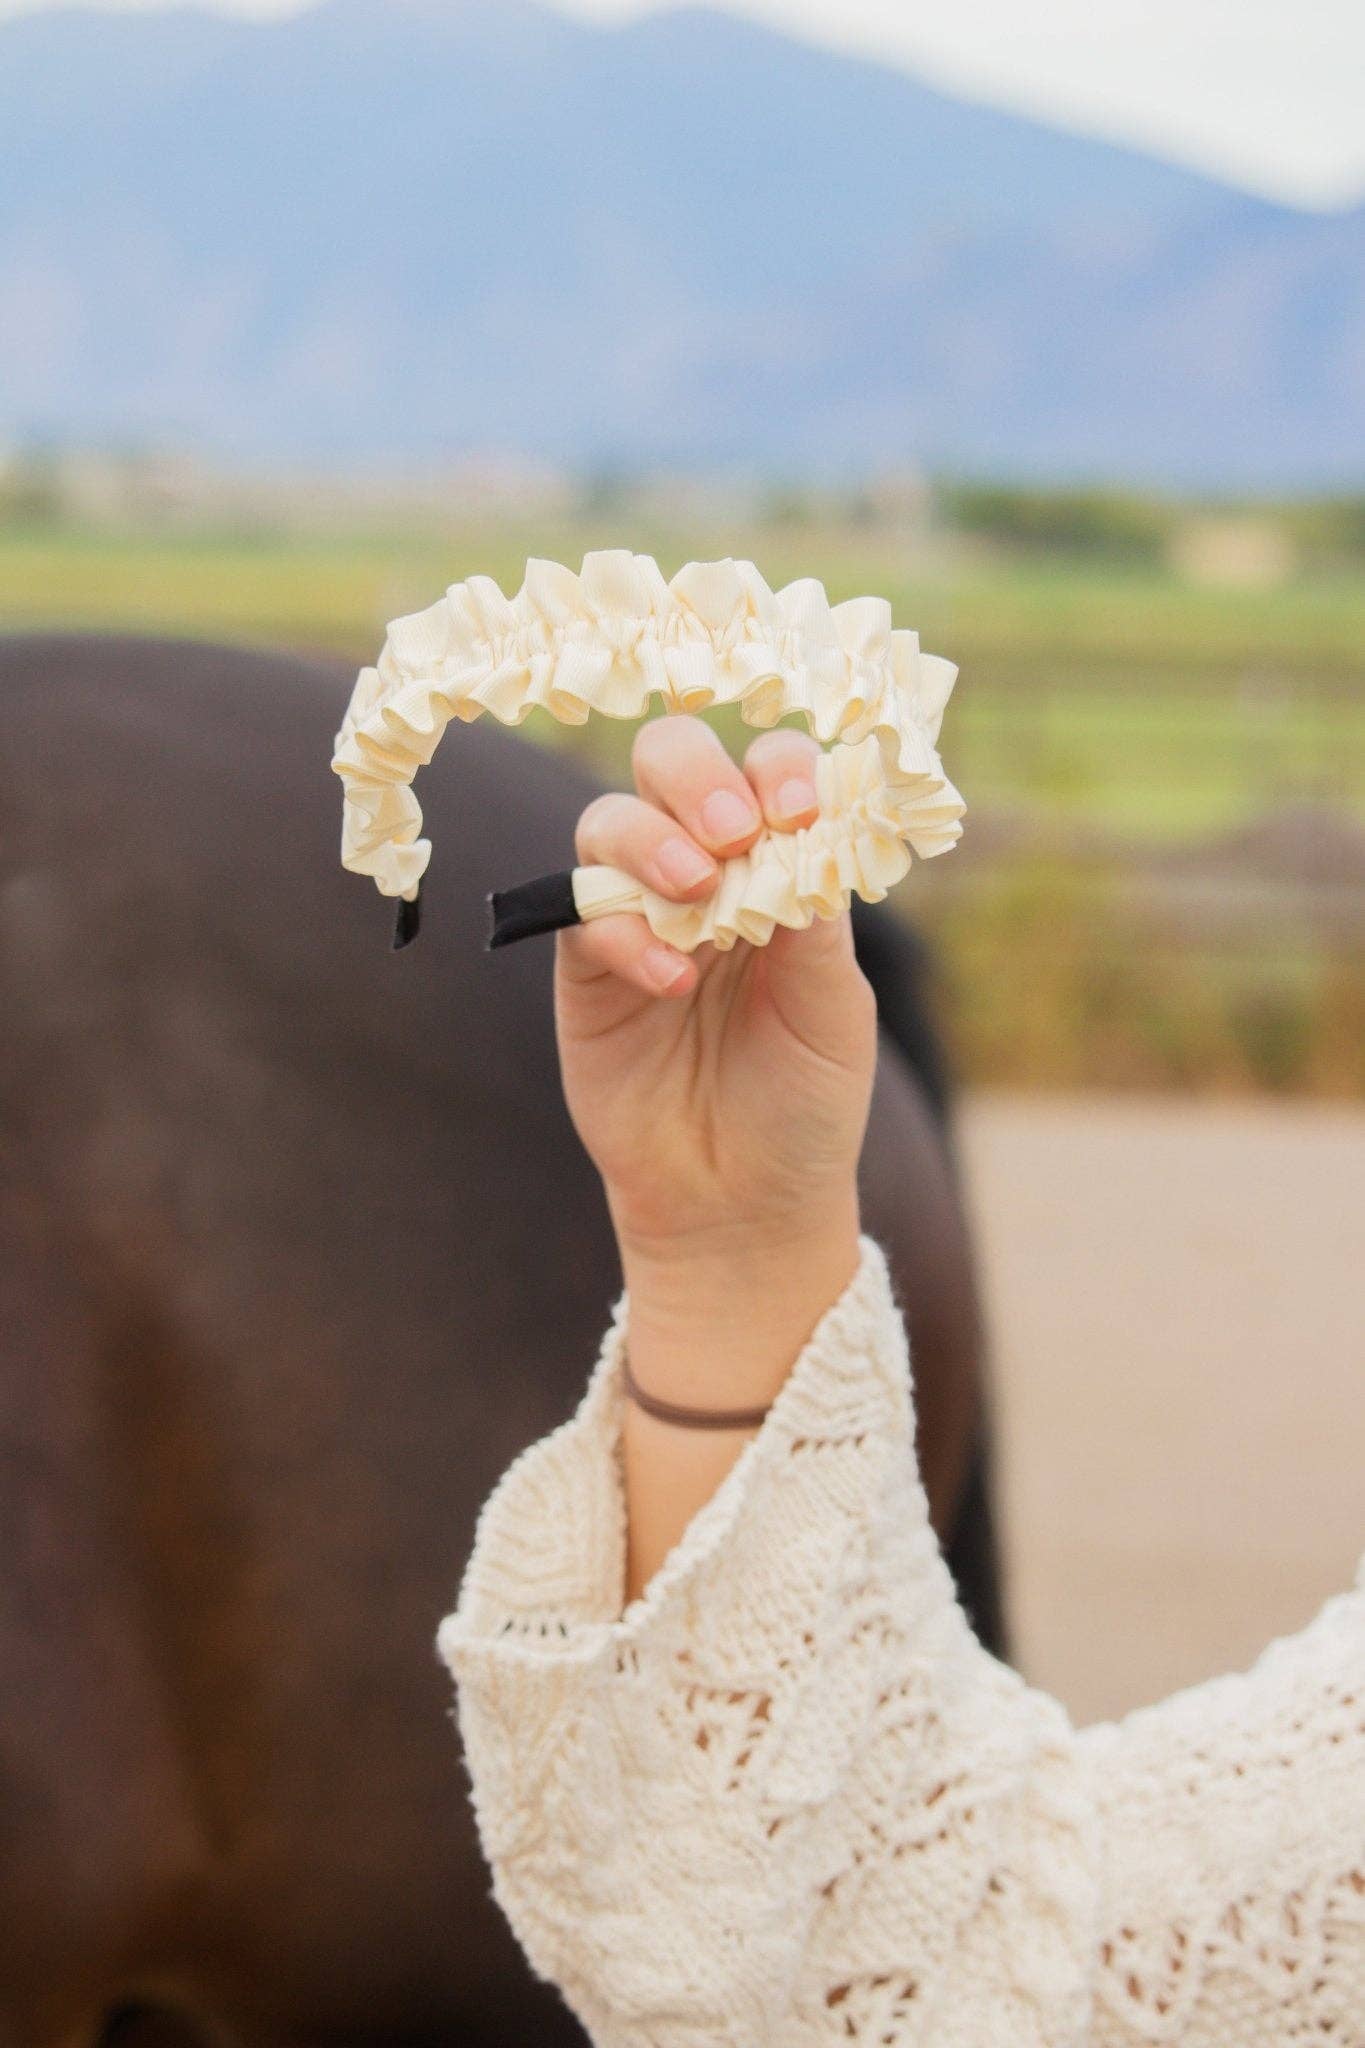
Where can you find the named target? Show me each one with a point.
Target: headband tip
(407, 923)
(545, 905)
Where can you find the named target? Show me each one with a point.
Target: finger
(681, 766)
(825, 945)
(625, 832)
(780, 766)
(820, 991)
(624, 945)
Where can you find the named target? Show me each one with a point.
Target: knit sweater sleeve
(785, 1797)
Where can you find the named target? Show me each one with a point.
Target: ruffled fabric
(613, 639)
(857, 846)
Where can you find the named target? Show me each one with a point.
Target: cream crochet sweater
(785, 1797)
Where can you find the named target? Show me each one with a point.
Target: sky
(1261, 92)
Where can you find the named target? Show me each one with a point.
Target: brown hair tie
(688, 1418)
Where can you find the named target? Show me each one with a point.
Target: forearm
(716, 1325)
(772, 1795)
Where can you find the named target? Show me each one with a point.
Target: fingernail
(727, 817)
(795, 797)
(663, 966)
(682, 864)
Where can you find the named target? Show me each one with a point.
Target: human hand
(722, 1096)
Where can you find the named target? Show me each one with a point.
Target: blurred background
(1054, 334)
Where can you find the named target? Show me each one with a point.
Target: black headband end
(544, 905)
(408, 921)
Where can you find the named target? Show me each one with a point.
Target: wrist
(717, 1317)
(737, 1254)
(657, 1246)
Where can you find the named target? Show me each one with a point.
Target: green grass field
(1120, 714)
(1125, 699)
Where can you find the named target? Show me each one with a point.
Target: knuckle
(782, 748)
(655, 740)
(618, 936)
(599, 946)
(665, 742)
(601, 821)
(574, 954)
(759, 753)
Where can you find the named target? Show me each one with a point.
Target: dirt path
(1177, 1299)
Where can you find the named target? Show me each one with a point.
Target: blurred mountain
(394, 229)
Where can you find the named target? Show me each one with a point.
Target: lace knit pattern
(785, 1797)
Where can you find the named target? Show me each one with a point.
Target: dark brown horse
(297, 1248)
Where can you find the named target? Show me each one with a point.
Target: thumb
(819, 990)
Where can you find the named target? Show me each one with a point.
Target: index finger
(681, 765)
(781, 766)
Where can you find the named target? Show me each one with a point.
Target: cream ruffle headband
(612, 638)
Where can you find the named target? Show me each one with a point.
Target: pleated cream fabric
(615, 639)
